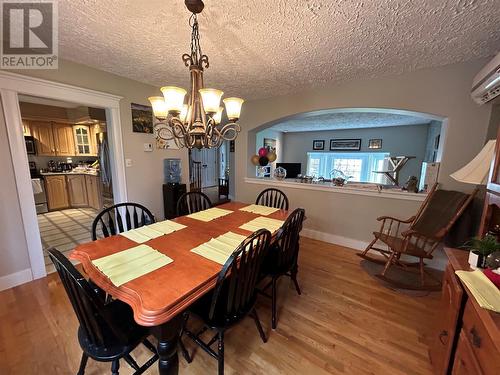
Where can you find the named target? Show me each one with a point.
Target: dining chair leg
(184, 351)
(83, 364)
(259, 326)
(273, 318)
(294, 273)
(128, 358)
(422, 272)
(115, 366)
(220, 357)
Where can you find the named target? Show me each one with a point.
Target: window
(359, 165)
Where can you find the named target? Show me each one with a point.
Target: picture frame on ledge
(318, 145)
(345, 144)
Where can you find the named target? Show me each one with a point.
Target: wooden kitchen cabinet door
(77, 190)
(42, 132)
(64, 140)
(465, 362)
(57, 192)
(445, 331)
(94, 191)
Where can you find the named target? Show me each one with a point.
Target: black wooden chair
(107, 331)
(191, 202)
(272, 197)
(234, 295)
(120, 218)
(282, 258)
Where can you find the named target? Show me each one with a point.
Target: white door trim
(11, 85)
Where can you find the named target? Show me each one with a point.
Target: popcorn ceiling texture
(262, 48)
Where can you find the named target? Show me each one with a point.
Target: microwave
(30, 145)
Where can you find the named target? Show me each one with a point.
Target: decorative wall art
(345, 144)
(375, 144)
(270, 144)
(142, 118)
(318, 145)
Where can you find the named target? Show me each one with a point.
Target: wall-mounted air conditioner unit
(486, 84)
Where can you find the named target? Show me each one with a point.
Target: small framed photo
(318, 145)
(374, 144)
(345, 144)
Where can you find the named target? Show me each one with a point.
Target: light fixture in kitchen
(196, 124)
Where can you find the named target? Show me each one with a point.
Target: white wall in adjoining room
(442, 91)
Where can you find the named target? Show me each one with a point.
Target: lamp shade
(218, 116)
(211, 99)
(233, 108)
(159, 106)
(477, 170)
(174, 98)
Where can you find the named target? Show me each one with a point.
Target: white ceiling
(346, 120)
(262, 48)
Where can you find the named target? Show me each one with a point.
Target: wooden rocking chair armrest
(408, 221)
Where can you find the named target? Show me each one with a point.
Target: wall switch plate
(148, 147)
(128, 162)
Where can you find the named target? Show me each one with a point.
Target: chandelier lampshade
(197, 123)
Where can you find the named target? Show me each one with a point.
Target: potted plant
(480, 248)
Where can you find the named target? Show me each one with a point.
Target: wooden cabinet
(467, 337)
(57, 192)
(94, 191)
(26, 128)
(445, 332)
(465, 363)
(42, 132)
(63, 139)
(93, 139)
(77, 190)
(82, 140)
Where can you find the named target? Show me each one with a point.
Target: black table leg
(168, 337)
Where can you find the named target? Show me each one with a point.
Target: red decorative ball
(262, 151)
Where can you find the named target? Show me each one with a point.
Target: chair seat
(397, 244)
(201, 308)
(114, 348)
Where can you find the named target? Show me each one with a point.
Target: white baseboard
(14, 279)
(334, 239)
(439, 261)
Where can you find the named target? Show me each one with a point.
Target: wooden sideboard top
(491, 320)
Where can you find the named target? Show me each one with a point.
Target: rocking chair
(418, 236)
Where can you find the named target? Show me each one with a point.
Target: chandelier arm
(163, 131)
(178, 127)
(230, 127)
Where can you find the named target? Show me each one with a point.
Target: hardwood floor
(345, 322)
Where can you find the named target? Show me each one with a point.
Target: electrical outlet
(128, 162)
(148, 147)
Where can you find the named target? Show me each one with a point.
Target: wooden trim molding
(16, 278)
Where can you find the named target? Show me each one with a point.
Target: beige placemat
(166, 226)
(259, 210)
(219, 249)
(263, 222)
(209, 214)
(484, 291)
(130, 264)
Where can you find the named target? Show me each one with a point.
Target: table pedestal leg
(168, 337)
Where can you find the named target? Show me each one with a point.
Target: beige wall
(144, 178)
(442, 91)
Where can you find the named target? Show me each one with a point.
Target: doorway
(11, 86)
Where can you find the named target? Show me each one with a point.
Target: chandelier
(196, 124)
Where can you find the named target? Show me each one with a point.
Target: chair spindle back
(273, 198)
(191, 202)
(288, 239)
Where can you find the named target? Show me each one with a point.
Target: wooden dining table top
(158, 296)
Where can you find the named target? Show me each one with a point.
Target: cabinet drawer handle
(476, 339)
(443, 334)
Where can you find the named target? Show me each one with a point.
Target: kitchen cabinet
(42, 132)
(77, 190)
(57, 192)
(63, 139)
(26, 128)
(94, 191)
(83, 140)
(93, 139)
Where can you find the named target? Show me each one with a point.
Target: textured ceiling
(262, 48)
(347, 120)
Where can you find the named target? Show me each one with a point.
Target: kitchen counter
(90, 173)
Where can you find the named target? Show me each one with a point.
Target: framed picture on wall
(375, 143)
(318, 145)
(270, 144)
(142, 118)
(345, 144)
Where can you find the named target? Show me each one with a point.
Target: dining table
(159, 298)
